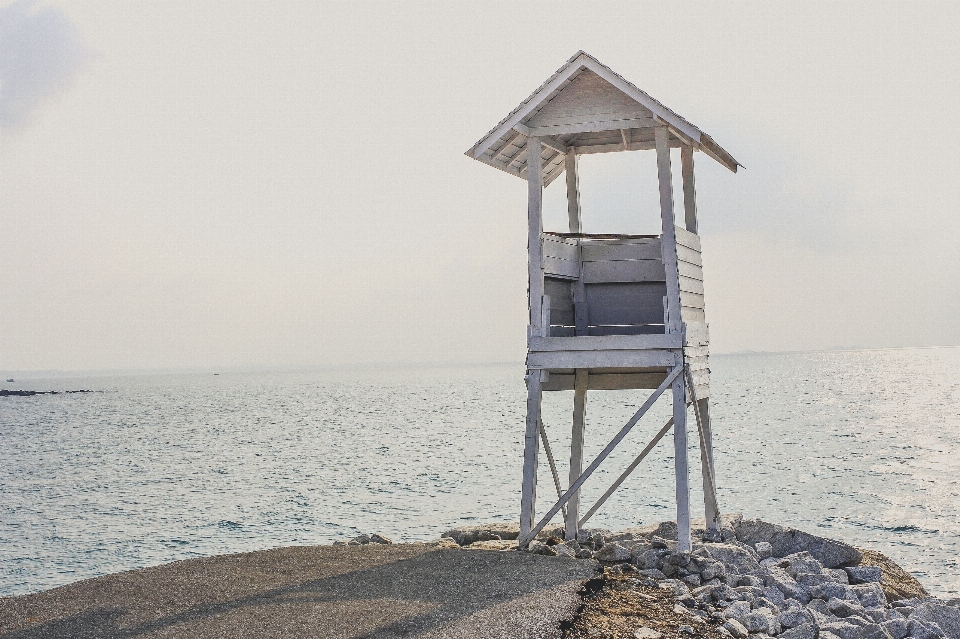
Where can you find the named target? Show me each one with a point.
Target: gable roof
(588, 106)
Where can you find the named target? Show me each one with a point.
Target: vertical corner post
(689, 188)
(573, 191)
(668, 240)
(534, 231)
(531, 447)
(711, 510)
(576, 450)
(680, 463)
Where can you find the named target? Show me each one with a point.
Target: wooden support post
(576, 450)
(573, 191)
(534, 232)
(680, 463)
(701, 410)
(710, 508)
(669, 238)
(580, 312)
(528, 494)
(689, 188)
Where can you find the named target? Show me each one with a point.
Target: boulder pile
(364, 539)
(756, 579)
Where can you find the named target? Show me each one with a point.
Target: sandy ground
(369, 592)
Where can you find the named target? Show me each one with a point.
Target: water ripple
(864, 446)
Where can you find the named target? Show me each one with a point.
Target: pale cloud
(40, 55)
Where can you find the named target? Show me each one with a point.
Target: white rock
(803, 631)
(920, 629)
(842, 629)
(737, 609)
(760, 621)
(947, 618)
(870, 595)
(864, 574)
(735, 628)
(613, 552)
(563, 550)
(764, 549)
(874, 631)
(896, 628)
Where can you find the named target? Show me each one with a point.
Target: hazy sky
(277, 183)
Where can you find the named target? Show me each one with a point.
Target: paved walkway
(355, 592)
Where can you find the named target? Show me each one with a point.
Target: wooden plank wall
(690, 267)
(696, 349)
(625, 286)
(623, 278)
(696, 353)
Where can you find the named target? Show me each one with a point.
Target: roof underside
(587, 107)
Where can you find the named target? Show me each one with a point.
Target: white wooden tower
(608, 311)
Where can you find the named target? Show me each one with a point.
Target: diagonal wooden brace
(525, 539)
(553, 464)
(636, 462)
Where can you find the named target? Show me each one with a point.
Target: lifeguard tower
(608, 311)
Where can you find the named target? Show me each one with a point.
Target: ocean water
(862, 446)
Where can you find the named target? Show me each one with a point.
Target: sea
(861, 446)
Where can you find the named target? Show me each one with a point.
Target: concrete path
(356, 592)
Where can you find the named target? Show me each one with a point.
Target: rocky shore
(750, 579)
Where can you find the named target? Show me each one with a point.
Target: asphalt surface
(356, 592)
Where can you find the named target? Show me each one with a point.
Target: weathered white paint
(608, 342)
(643, 249)
(592, 127)
(588, 97)
(669, 242)
(691, 300)
(686, 238)
(689, 255)
(528, 492)
(689, 188)
(580, 386)
(617, 146)
(608, 312)
(686, 269)
(623, 271)
(701, 408)
(603, 359)
(582, 92)
(564, 250)
(691, 285)
(581, 312)
(573, 191)
(680, 463)
(534, 230)
(561, 268)
(605, 381)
